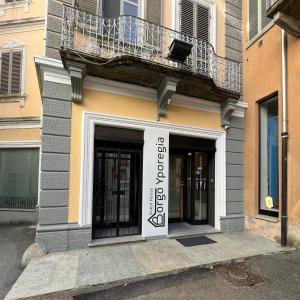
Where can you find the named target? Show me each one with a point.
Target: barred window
(11, 72)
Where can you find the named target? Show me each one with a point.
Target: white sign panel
(155, 182)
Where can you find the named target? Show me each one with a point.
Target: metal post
(284, 139)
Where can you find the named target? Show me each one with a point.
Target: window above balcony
(258, 21)
(286, 14)
(145, 9)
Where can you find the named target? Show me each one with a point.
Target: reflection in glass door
(201, 188)
(191, 187)
(176, 188)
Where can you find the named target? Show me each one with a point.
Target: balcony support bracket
(165, 91)
(227, 108)
(77, 73)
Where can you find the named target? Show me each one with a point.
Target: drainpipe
(284, 139)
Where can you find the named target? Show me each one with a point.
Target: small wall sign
(269, 202)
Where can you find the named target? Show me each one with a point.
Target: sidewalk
(95, 269)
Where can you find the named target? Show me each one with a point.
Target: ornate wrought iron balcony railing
(110, 38)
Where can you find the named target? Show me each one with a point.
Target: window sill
(13, 98)
(267, 218)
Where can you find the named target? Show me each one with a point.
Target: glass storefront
(19, 178)
(269, 181)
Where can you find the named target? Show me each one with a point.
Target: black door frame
(137, 188)
(210, 159)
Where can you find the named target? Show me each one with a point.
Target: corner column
(54, 231)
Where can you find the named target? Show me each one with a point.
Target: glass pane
(264, 19)
(175, 187)
(269, 155)
(111, 188)
(19, 178)
(125, 175)
(201, 186)
(253, 18)
(189, 187)
(130, 9)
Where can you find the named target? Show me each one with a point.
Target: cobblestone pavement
(14, 239)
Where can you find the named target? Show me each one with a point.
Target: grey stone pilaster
(233, 33)
(54, 27)
(55, 165)
(53, 230)
(234, 219)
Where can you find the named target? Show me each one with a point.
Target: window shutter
(4, 80)
(264, 19)
(253, 18)
(187, 17)
(154, 11)
(89, 6)
(16, 69)
(203, 21)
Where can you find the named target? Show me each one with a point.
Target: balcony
(132, 50)
(286, 14)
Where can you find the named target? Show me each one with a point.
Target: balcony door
(196, 20)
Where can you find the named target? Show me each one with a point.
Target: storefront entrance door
(176, 188)
(191, 187)
(117, 193)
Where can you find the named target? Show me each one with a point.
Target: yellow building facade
(142, 120)
(22, 36)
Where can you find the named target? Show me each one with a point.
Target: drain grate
(195, 241)
(238, 274)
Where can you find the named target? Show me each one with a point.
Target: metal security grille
(18, 202)
(117, 193)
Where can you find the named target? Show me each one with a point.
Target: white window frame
(25, 145)
(260, 30)
(9, 46)
(211, 5)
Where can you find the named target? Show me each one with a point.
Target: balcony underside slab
(129, 69)
(286, 14)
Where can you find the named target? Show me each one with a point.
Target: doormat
(195, 241)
